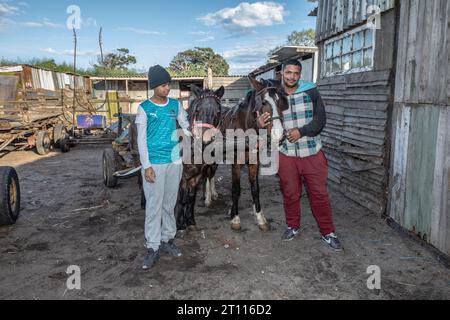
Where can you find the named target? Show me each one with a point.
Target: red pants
(314, 170)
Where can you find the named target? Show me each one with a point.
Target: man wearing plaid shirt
(302, 156)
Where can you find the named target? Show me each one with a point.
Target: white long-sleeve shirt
(141, 122)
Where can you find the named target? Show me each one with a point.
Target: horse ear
(196, 91)
(256, 85)
(220, 92)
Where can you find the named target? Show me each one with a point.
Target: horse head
(204, 112)
(270, 97)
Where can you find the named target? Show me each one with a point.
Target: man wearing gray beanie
(161, 164)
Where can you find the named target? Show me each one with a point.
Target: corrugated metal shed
(36, 78)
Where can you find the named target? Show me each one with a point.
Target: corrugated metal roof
(285, 53)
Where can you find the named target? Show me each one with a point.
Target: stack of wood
(35, 105)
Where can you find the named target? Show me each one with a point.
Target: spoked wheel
(43, 143)
(9, 196)
(109, 168)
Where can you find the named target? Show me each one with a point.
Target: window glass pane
(357, 40)
(368, 39)
(357, 59)
(337, 64)
(328, 66)
(329, 51)
(347, 44)
(367, 62)
(346, 62)
(337, 48)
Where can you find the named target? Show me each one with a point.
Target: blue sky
(154, 31)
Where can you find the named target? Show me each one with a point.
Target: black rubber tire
(109, 168)
(59, 133)
(9, 196)
(64, 145)
(43, 143)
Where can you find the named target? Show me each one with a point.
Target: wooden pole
(74, 81)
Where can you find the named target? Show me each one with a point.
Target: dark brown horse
(204, 116)
(266, 96)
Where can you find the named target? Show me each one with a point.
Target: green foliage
(302, 38)
(51, 64)
(306, 37)
(195, 62)
(119, 60)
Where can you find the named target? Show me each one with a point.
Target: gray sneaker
(150, 259)
(332, 241)
(290, 234)
(170, 248)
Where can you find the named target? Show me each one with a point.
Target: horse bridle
(272, 119)
(197, 124)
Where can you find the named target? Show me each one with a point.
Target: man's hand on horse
(294, 135)
(150, 175)
(263, 121)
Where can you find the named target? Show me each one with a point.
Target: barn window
(349, 53)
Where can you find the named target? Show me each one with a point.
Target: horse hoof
(180, 234)
(264, 227)
(236, 227)
(215, 197)
(193, 228)
(208, 205)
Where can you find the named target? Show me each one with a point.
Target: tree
(302, 38)
(305, 37)
(195, 62)
(119, 60)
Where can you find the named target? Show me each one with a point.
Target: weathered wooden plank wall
(336, 16)
(235, 88)
(440, 217)
(358, 107)
(420, 159)
(355, 135)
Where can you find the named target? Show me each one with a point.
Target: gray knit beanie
(157, 76)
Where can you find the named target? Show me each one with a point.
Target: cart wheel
(43, 143)
(109, 168)
(9, 196)
(59, 133)
(64, 144)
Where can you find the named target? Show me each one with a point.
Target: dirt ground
(69, 218)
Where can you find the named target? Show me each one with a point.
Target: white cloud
(245, 58)
(70, 52)
(140, 31)
(198, 33)
(50, 24)
(6, 23)
(246, 16)
(89, 22)
(50, 50)
(207, 39)
(32, 24)
(45, 23)
(7, 9)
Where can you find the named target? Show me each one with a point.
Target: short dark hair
(292, 62)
